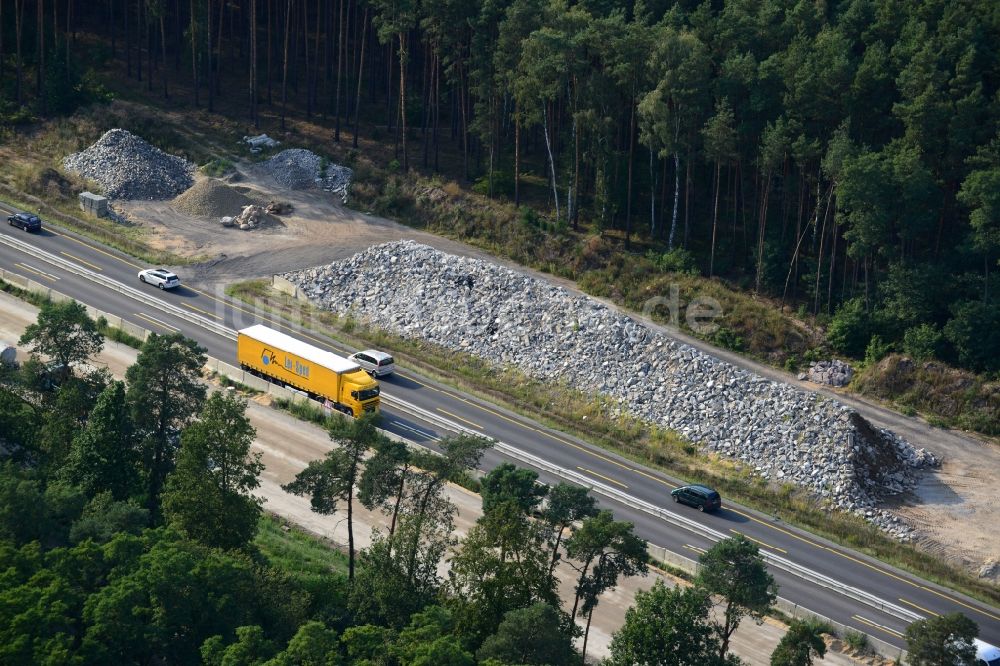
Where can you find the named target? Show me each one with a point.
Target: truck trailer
(323, 375)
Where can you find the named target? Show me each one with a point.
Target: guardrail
(522, 456)
(777, 561)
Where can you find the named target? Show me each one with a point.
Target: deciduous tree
(209, 494)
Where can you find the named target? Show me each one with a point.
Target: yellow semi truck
(323, 375)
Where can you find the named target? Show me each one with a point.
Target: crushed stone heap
(129, 168)
(510, 319)
(299, 169)
(211, 197)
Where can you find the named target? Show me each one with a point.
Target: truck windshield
(368, 394)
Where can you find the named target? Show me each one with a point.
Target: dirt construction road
(288, 445)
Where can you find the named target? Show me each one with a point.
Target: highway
(880, 600)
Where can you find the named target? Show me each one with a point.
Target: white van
(986, 654)
(376, 363)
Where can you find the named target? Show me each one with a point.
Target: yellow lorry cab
(323, 375)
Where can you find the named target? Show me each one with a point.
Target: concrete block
(94, 204)
(284, 286)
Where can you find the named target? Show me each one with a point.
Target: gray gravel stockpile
(299, 169)
(212, 198)
(129, 168)
(510, 319)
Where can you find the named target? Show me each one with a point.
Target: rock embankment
(784, 434)
(129, 168)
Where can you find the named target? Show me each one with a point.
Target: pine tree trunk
(822, 239)
(687, 198)
(762, 232)
(163, 53)
(194, 54)
(361, 69)
(652, 195)
(341, 55)
(270, 28)
(677, 198)
(40, 50)
(149, 47)
(350, 535)
(284, 75)
(517, 155)
(253, 64)
(19, 63)
(586, 637)
(631, 159)
(715, 219)
(403, 58)
(208, 71)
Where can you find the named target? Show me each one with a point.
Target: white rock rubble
(510, 319)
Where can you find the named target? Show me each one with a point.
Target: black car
(702, 497)
(25, 221)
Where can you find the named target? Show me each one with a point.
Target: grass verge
(603, 423)
(291, 549)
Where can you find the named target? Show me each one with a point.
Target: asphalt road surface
(557, 448)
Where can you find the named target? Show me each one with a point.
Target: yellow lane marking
(82, 261)
(926, 610)
(875, 625)
(758, 541)
(43, 274)
(695, 548)
(456, 416)
(960, 603)
(775, 527)
(601, 476)
(154, 320)
(654, 478)
(206, 312)
(95, 249)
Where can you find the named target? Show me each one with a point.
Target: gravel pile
(212, 198)
(299, 169)
(129, 168)
(509, 319)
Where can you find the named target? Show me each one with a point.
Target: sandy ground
(954, 508)
(287, 445)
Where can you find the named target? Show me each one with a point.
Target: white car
(160, 277)
(986, 654)
(376, 363)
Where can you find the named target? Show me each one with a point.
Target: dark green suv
(701, 497)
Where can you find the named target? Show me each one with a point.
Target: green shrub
(677, 260)
(876, 350)
(503, 183)
(726, 338)
(850, 328)
(923, 342)
(856, 639)
(974, 332)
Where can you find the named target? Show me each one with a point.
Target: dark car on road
(701, 497)
(25, 221)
